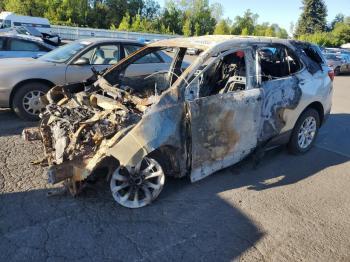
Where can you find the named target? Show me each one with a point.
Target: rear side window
(313, 54)
(129, 49)
(7, 23)
(148, 59)
(22, 45)
(277, 62)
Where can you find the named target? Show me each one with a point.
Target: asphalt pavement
(288, 208)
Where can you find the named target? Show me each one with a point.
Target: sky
(282, 12)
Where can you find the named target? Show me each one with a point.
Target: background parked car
(15, 45)
(345, 67)
(334, 62)
(24, 80)
(51, 39)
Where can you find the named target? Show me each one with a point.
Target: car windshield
(64, 53)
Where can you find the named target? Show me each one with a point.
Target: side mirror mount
(82, 61)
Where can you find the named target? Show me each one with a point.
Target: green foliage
(313, 17)
(339, 18)
(245, 31)
(26, 7)
(335, 38)
(187, 27)
(125, 23)
(245, 25)
(136, 24)
(183, 17)
(223, 27)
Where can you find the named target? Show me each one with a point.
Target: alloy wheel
(140, 186)
(307, 132)
(31, 102)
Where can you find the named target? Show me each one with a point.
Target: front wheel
(26, 101)
(305, 132)
(138, 187)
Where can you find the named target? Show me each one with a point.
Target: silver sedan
(24, 80)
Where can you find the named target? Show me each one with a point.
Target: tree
(339, 18)
(197, 29)
(245, 23)
(172, 18)
(187, 27)
(341, 33)
(151, 9)
(216, 11)
(245, 31)
(135, 7)
(312, 18)
(97, 17)
(125, 23)
(26, 7)
(116, 11)
(223, 27)
(136, 24)
(2, 6)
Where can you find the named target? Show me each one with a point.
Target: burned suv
(240, 95)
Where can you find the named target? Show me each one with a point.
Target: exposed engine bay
(74, 125)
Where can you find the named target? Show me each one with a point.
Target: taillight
(331, 74)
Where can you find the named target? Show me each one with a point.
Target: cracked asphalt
(289, 208)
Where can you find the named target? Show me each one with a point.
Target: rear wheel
(305, 132)
(26, 101)
(337, 71)
(140, 186)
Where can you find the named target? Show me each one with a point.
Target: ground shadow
(194, 227)
(189, 222)
(11, 124)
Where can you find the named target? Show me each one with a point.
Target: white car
(235, 99)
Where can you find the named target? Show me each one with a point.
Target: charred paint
(195, 136)
(279, 94)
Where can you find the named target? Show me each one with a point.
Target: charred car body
(239, 96)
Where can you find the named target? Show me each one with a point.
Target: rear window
(20, 45)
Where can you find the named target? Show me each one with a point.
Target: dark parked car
(18, 45)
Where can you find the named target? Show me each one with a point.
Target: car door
(224, 125)
(281, 78)
(99, 57)
(24, 48)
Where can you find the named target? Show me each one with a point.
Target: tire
(337, 71)
(139, 187)
(307, 126)
(26, 106)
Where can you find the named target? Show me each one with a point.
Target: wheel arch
(318, 107)
(169, 158)
(27, 81)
